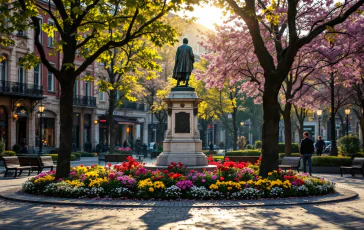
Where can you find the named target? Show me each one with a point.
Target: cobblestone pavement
(344, 215)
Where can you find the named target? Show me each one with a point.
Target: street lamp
(242, 128)
(347, 112)
(41, 110)
(319, 113)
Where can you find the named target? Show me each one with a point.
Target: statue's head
(185, 41)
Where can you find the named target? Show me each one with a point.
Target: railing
(21, 89)
(132, 105)
(84, 101)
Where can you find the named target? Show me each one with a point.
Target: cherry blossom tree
(290, 26)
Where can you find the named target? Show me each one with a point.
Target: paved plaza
(342, 215)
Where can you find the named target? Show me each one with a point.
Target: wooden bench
(12, 163)
(290, 163)
(357, 164)
(46, 162)
(251, 159)
(33, 161)
(116, 158)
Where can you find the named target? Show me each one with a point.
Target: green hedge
(77, 154)
(86, 154)
(208, 152)
(55, 156)
(123, 152)
(282, 146)
(244, 153)
(331, 161)
(258, 144)
(7, 153)
(281, 155)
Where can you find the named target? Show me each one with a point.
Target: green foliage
(208, 152)
(55, 157)
(77, 154)
(249, 146)
(123, 152)
(349, 145)
(7, 153)
(85, 154)
(2, 146)
(258, 144)
(244, 153)
(331, 161)
(281, 155)
(282, 146)
(160, 148)
(16, 148)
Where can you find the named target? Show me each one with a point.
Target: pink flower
(60, 179)
(203, 180)
(111, 176)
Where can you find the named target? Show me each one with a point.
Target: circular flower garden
(131, 179)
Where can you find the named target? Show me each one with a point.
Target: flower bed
(130, 179)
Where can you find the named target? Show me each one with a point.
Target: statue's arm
(192, 56)
(177, 54)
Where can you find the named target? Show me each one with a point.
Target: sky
(207, 16)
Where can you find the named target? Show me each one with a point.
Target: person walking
(306, 151)
(320, 146)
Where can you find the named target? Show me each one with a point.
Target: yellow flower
(229, 188)
(44, 179)
(214, 187)
(97, 182)
(151, 189)
(270, 174)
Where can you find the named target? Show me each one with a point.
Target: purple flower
(184, 184)
(203, 180)
(60, 179)
(214, 177)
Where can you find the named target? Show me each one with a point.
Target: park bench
(290, 163)
(46, 162)
(356, 165)
(33, 161)
(12, 163)
(115, 158)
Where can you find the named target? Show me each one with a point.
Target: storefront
(48, 129)
(86, 128)
(21, 124)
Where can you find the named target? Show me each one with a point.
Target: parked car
(150, 146)
(327, 149)
(327, 143)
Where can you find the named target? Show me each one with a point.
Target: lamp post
(319, 113)
(242, 128)
(347, 112)
(333, 129)
(41, 110)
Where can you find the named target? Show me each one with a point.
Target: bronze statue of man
(184, 63)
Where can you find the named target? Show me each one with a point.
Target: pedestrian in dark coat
(306, 151)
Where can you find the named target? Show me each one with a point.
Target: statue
(184, 63)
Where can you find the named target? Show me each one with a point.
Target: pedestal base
(189, 159)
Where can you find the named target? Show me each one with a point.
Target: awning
(125, 121)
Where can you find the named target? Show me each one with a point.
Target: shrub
(7, 153)
(258, 144)
(244, 153)
(282, 147)
(249, 146)
(17, 148)
(77, 154)
(331, 161)
(160, 148)
(2, 146)
(349, 145)
(55, 156)
(86, 154)
(281, 155)
(123, 152)
(208, 152)
(241, 142)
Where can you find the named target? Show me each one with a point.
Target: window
(102, 96)
(20, 74)
(40, 20)
(4, 70)
(21, 33)
(50, 81)
(76, 88)
(87, 89)
(51, 38)
(37, 76)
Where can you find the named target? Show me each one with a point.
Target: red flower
(227, 159)
(222, 178)
(82, 165)
(192, 171)
(109, 164)
(236, 179)
(165, 171)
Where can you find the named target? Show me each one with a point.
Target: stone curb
(340, 195)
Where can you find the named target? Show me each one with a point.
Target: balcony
(132, 105)
(18, 89)
(84, 101)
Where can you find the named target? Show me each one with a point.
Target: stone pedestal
(182, 142)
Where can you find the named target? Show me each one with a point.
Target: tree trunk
(110, 121)
(362, 128)
(270, 130)
(287, 129)
(301, 129)
(235, 130)
(66, 122)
